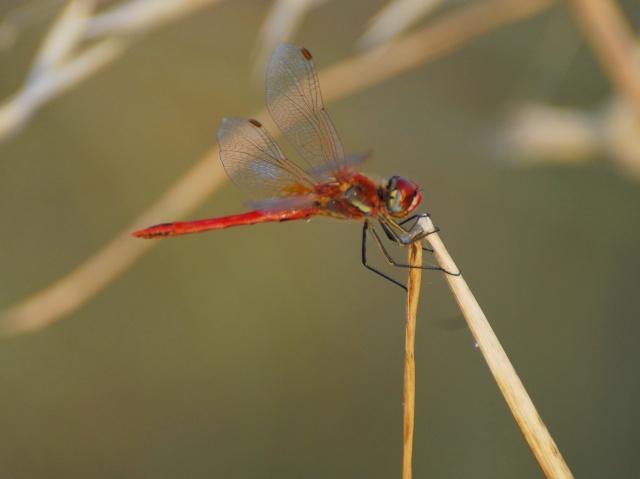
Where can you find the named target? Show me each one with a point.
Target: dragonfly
(330, 184)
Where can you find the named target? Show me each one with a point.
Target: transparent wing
(283, 203)
(295, 103)
(255, 163)
(325, 173)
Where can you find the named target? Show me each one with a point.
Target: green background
(270, 351)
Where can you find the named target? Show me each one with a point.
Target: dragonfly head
(402, 196)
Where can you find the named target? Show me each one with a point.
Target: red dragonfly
(329, 186)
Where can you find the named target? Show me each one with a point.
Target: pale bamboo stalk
(525, 413)
(413, 295)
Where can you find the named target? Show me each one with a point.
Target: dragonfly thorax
(349, 196)
(365, 203)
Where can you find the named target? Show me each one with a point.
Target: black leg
(369, 227)
(386, 254)
(411, 218)
(366, 263)
(391, 234)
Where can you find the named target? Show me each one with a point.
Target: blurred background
(270, 351)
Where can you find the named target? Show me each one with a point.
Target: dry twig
(413, 295)
(525, 413)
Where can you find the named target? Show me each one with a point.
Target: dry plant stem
(437, 39)
(534, 430)
(413, 295)
(614, 42)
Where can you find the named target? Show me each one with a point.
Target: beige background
(270, 351)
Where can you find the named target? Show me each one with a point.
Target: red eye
(402, 196)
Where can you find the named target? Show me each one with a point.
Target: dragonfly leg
(365, 262)
(410, 235)
(417, 235)
(369, 227)
(389, 258)
(413, 217)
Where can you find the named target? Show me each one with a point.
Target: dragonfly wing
(295, 103)
(285, 203)
(255, 163)
(325, 173)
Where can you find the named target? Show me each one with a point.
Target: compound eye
(402, 196)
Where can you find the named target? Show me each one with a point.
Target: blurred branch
(621, 136)
(139, 16)
(63, 60)
(394, 18)
(535, 432)
(444, 35)
(280, 24)
(441, 37)
(73, 290)
(614, 42)
(534, 133)
(22, 16)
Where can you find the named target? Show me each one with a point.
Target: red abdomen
(250, 218)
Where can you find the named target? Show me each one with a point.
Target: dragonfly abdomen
(252, 217)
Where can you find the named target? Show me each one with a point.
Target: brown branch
(442, 36)
(413, 295)
(614, 42)
(525, 413)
